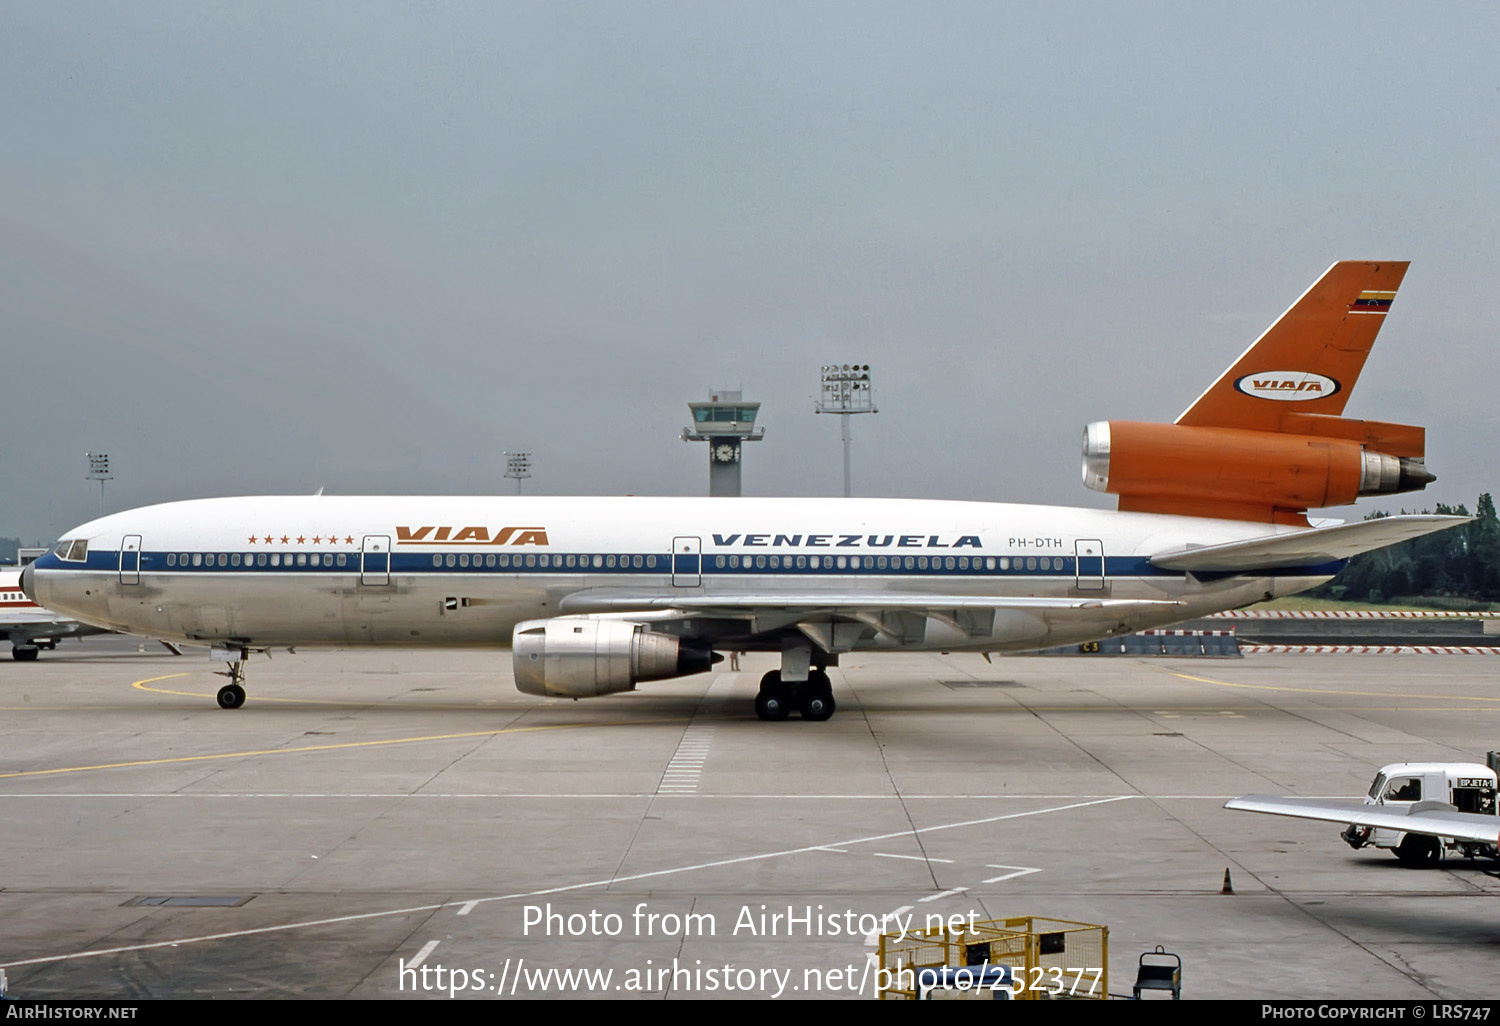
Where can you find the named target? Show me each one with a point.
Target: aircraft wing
(603, 600)
(1312, 547)
(1437, 819)
(834, 621)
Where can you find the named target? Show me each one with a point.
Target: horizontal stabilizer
(1431, 818)
(1312, 547)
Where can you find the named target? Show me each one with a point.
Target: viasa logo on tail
(1287, 386)
(471, 536)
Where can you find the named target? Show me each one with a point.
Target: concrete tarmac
(404, 824)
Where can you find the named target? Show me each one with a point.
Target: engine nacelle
(1213, 471)
(581, 656)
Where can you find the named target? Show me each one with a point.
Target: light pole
(518, 466)
(99, 471)
(845, 392)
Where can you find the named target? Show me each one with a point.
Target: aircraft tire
(772, 705)
(231, 696)
(774, 702)
(817, 704)
(25, 655)
(1419, 851)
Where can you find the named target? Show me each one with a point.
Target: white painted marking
(422, 955)
(1018, 871)
(914, 858)
(943, 894)
(468, 907)
(563, 889)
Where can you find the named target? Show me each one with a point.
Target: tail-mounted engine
(1242, 474)
(580, 656)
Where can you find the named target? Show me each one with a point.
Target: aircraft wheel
(774, 700)
(25, 655)
(231, 696)
(1419, 852)
(817, 704)
(772, 705)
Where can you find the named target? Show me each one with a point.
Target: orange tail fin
(1266, 442)
(1309, 360)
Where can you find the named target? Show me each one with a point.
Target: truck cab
(1465, 786)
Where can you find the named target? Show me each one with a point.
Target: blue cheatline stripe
(654, 563)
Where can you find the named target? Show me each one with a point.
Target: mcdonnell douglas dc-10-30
(594, 595)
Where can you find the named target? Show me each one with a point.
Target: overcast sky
(272, 247)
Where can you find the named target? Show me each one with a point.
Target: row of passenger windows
(602, 562)
(885, 563)
(532, 560)
(257, 559)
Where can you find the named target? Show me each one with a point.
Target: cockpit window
(74, 550)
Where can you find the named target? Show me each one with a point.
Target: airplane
(596, 594)
(27, 626)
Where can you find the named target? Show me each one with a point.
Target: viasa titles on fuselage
(594, 595)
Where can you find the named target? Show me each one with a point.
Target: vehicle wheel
(817, 704)
(1419, 852)
(231, 696)
(25, 655)
(772, 704)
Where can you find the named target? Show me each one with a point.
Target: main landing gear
(232, 695)
(812, 697)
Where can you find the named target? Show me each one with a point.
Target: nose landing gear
(232, 695)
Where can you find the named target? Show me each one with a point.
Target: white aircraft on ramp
(28, 627)
(594, 595)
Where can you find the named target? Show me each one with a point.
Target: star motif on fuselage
(300, 539)
(284, 539)
(316, 538)
(349, 540)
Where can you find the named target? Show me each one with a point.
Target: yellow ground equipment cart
(1045, 959)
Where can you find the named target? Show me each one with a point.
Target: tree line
(1460, 565)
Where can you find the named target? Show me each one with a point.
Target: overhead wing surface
(1304, 548)
(1437, 819)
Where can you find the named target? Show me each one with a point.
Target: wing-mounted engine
(583, 656)
(1239, 474)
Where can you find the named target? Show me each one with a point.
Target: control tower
(724, 422)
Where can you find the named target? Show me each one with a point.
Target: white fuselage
(351, 570)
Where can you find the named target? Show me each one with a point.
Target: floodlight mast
(99, 471)
(845, 392)
(518, 466)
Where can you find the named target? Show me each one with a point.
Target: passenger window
(801, 562)
(171, 559)
(342, 559)
(504, 559)
(637, 561)
(301, 559)
(489, 560)
(276, 559)
(598, 562)
(451, 559)
(260, 560)
(197, 559)
(234, 560)
(437, 560)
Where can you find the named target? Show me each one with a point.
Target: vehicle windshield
(1378, 786)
